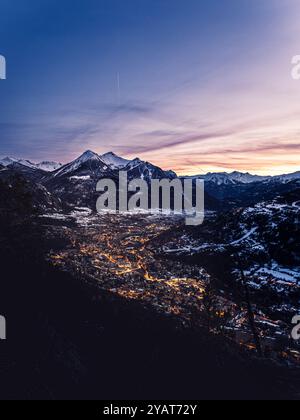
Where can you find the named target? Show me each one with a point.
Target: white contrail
(119, 90)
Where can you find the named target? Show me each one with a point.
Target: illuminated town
(123, 255)
(117, 253)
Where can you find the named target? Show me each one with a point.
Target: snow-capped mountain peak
(8, 161)
(246, 178)
(27, 163)
(48, 166)
(233, 178)
(88, 155)
(87, 161)
(114, 161)
(138, 168)
(225, 178)
(134, 163)
(44, 166)
(287, 177)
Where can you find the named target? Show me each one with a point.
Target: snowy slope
(145, 170)
(44, 166)
(7, 161)
(48, 166)
(87, 160)
(287, 177)
(235, 178)
(224, 178)
(114, 161)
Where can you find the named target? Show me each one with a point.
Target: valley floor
(127, 255)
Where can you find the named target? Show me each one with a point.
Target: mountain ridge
(47, 166)
(91, 166)
(113, 161)
(236, 177)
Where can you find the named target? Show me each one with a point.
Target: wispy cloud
(200, 90)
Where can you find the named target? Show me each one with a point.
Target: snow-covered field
(275, 277)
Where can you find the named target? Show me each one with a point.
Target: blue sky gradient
(193, 85)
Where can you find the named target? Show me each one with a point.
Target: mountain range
(44, 166)
(225, 178)
(75, 183)
(112, 161)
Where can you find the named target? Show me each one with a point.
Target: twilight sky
(192, 85)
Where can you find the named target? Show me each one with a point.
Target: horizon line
(209, 172)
